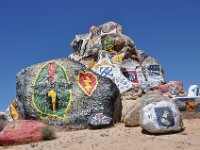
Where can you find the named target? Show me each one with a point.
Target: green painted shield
(52, 97)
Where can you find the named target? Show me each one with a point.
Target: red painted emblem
(88, 82)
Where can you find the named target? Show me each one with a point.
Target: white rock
(193, 91)
(161, 117)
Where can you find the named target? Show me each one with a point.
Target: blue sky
(36, 31)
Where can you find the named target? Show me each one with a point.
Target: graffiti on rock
(87, 82)
(188, 104)
(153, 72)
(14, 110)
(108, 28)
(52, 94)
(164, 116)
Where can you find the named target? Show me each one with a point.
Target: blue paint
(164, 120)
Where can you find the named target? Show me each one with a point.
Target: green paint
(43, 102)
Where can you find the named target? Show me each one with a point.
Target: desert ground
(119, 137)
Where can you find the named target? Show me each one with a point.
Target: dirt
(119, 137)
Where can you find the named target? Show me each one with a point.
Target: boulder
(193, 91)
(132, 118)
(65, 92)
(188, 106)
(21, 131)
(161, 117)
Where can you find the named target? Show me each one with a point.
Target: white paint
(152, 73)
(113, 72)
(193, 91)
(133, 65)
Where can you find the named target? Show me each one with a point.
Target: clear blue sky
(32, 31)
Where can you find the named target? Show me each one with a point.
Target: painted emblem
(131, 75)
(164, 116)
(87, 82)
(106, 71)
(52, 94)
(107, 28)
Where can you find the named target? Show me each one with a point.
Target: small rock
(161, 117)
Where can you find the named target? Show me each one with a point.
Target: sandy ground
(120, 137)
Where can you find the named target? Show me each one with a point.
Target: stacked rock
(113, 55)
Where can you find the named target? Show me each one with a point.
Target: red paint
(21, 131)
(88, 82)
(51, 70)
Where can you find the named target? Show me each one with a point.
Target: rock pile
(88, 89)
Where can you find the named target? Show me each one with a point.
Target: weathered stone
(193, 91)
(132, 118)
(64, 92)
(128, 105)
(188, 106)
(2, 124)
(106, 68)
(161, 117)
(21, 131)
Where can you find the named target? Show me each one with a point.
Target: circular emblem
(52, 95)
(108, 27)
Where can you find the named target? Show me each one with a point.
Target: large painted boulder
(106, 68)
(161, 117)
(21, 131)
(188, 106)
(65, 92)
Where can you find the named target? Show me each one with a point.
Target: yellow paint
(14, 113)
(52, 94)
(87, 83)
(118, 58)
(70, 101)
(190, 106)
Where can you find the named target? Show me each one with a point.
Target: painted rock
(112, 42)
(21, 131)
(173, 88)
(133, 71)
(193, 91)
(132, 117)
(64, 92)
(153, 70)
(188, 106)
(106, 68)
(161, 117)
(108, 28)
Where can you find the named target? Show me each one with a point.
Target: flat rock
(21, 131)
(161, 117)
(65, 92)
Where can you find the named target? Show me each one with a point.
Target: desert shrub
(48, 133)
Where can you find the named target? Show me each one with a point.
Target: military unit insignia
(87, 82)
(52, 94)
